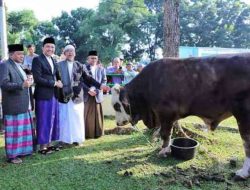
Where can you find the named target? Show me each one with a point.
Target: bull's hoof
(165, 151)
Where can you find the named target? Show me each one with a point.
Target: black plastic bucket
(183, 148)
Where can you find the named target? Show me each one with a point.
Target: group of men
(60, 92)
(118, 74)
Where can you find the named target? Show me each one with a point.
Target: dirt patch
(181, 130)
(192, 177)
(127, 173)
(120, 131)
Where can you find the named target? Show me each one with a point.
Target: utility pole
(3, 31)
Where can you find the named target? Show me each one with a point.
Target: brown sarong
(93, 117)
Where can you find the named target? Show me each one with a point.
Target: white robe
(71, 120)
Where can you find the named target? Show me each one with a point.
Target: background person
(139, 67)
(129, 73)
(121, 57)
(116, 68)
(62, 56)
(27, 63)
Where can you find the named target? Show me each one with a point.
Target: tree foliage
(70, 29)
(220, 23)
(42, 30)
(21, 26)
(135, 27)
(154, 6)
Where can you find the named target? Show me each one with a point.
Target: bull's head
(121, 105)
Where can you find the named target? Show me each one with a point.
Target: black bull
(212, 88)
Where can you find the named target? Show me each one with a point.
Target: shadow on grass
(110, 117)
(112, 162)
(137, 170)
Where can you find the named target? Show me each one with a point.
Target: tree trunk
(171, 28)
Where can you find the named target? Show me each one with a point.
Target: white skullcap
(68, 47)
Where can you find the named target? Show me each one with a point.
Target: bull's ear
(116, 88)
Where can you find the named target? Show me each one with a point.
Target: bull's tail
(179, 128)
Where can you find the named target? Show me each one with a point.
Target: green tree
(135, 27)
(70, 30)
(154, 6)
(221, 23)
(104, 28)
(241, 34)
(42, 30)
(123, 27)
(21, 26)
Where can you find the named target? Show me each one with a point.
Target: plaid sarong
(18, 135)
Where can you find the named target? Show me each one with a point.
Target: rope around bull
(138, 130)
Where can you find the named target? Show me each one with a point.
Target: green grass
(100, 164)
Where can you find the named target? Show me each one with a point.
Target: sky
(46, 9)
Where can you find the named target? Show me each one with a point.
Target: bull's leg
(244, 129)
(243, 120)
(166, 132)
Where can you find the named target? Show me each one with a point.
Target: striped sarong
(18, 135)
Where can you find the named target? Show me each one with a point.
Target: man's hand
(105, 88)
(59, 84)
(92, 92)
(77, 89)
(27, 83)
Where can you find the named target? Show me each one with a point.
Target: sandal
(45, 151)
(76, 143)
(60, 146)
(53, 148)
(15, 160)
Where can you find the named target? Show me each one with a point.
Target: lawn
(122, 162)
